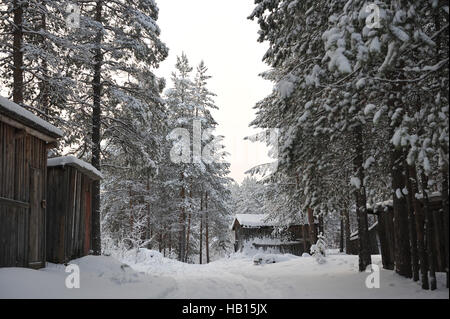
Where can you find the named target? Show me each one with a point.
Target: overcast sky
(219, 32)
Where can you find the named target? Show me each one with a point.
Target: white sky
(219, 32)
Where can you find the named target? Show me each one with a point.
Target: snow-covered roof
(21, 115)
(261, 220)
(252, 220)
(70, 160)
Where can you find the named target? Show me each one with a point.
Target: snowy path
(155, 277)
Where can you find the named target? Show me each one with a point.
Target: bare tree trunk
(201, 229)
(312, 227)
(189, 228)
(401, 233)
(187, 237)
(412, 226)
(17, 52)
(96, 139)
(182, 235)
(170, 240)
(131, 211)
(419, 220)
(304, 235)
(341, 235)
(429, 228)
(320, 226)
(445, 212)
(148, 233)
(444, 169)
(207, 228)
(361, 202)
(44, 100)
(347, 230)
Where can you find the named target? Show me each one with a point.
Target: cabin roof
(13, 113)
(82, 166)
(254, 221)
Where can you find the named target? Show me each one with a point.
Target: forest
(360, 107)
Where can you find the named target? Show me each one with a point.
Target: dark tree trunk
(206, 228)
(347, 231)
(444, 169)
(341, 238)
(188, 227)
(170, 240)
(412, 226)
(401, 233)
(419, 219)
(429, 233)
(445, 213)
(187, 237)
(131, 211)
(361, 202)
(201, 229)
(96, 139)
(304, 235)
(312, 228)
(17, 52)
(44, 85)
(148, 232)
(182, 236)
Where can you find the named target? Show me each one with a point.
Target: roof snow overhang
(85, 168)
(18, 117)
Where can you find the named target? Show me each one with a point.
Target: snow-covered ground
(149, 275)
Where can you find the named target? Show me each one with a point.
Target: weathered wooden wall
(23, 161)
(68, 214)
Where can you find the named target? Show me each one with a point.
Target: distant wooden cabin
(24, 142)
(69, 194)
(254, 231)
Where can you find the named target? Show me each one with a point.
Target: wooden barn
(24, 142)
(254, 231)
(69, 194)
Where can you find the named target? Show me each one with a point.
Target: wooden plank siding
(68, 214)
(23, 161)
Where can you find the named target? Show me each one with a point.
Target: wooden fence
(385, 214)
